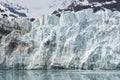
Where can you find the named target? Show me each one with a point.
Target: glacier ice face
(81, 40)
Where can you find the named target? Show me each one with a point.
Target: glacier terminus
(75, 40)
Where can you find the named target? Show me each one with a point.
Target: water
(58, 75)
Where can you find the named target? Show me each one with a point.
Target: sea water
(58, 75)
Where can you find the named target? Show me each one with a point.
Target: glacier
(75, 40)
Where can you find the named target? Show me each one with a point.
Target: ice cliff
(76, 40)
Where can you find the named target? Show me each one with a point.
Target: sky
(31, 3)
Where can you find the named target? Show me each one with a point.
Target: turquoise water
(58, 75)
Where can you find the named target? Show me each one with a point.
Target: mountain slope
(96, 5)
(39, 7)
